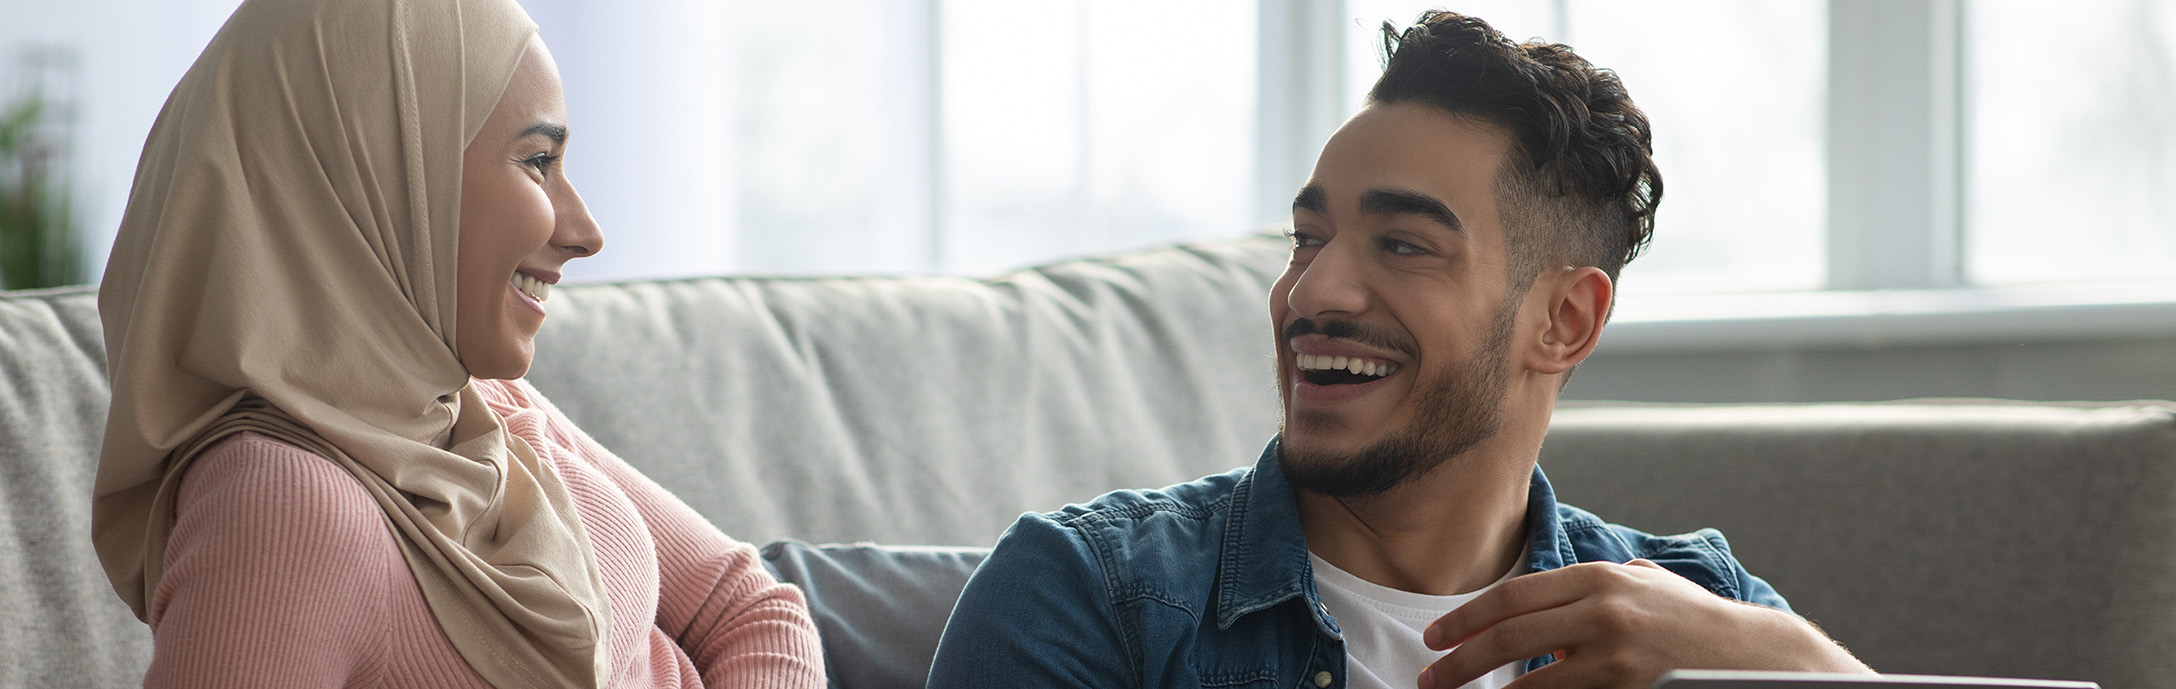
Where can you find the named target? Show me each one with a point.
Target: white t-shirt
(1383, 625)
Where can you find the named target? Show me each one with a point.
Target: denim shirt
(1208, 584)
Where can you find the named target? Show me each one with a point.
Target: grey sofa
(1955, 537)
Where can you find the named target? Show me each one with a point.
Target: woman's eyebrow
(555, 131)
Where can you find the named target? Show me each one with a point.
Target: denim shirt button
(1322, 679)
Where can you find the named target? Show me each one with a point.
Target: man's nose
(1331, 285)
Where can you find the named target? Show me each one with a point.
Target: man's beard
(1459, 408)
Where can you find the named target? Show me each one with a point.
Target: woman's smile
(532, 290)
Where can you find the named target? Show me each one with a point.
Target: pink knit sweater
(282, 572)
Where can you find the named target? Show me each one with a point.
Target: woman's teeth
(536, 289)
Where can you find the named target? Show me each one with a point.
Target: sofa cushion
(60, 622)
(923, 409)
(880, 609)
(1973, 537)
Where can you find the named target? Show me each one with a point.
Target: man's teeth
(1353, 365)
(529, 285)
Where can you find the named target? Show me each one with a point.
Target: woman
(320, 467)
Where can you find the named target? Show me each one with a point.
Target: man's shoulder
(1063, 594)
(1594, 539)
(1131, 537)
(1202, 499)
(1702, 556)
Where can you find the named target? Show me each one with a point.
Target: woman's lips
(530, 291)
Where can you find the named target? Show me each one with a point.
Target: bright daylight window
(971, 136)
(1736, 94)
(957, 136)
(2071, 140)
(1081, 127)
(1942, 147)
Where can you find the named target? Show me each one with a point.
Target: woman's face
(520, 221)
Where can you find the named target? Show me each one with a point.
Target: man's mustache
(1354, 331)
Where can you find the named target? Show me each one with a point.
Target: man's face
(1398, 272)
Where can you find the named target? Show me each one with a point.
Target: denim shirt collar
(1263, 559)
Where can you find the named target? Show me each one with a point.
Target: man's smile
(1328, 370)
(1341, 370)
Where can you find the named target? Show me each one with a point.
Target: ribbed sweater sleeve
(275, 575)
(740, 626)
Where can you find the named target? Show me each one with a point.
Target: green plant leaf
(38, 242)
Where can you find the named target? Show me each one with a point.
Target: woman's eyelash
(540, 161)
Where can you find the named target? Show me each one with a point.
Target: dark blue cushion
(879, 608)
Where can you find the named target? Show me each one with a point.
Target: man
(1453, 260)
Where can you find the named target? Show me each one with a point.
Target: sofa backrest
(926, 410)
(1974, 537)
(60, 622)
(1945, 537)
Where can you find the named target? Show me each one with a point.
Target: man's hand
(1613, 625)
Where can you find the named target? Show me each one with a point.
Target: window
(1079, 127)
(1816, 152)
(2071, 144)
(960, 136)
(1736, 93)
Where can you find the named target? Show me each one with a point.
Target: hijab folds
(286, 266)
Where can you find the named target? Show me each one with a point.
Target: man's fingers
(1566, 675)
(1517, 596)
(1513, 640)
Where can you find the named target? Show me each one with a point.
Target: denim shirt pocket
(1275, 647)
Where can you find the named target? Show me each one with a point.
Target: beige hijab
(286, 266)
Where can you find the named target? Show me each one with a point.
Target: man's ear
(1576, 303)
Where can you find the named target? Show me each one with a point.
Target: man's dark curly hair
(1580, 185)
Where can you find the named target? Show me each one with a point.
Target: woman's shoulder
(277, 547)
(255, 479)
(260, 514)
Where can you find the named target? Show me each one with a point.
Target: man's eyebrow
(1405, 202)
(1312, 199)
(552, 130)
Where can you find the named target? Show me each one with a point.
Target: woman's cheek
(535, 216)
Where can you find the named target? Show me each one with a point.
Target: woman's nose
(577, 232)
